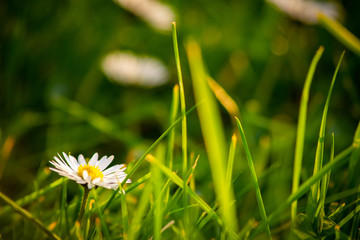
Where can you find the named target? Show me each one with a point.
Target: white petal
(85, 175)
(81, 160)
(104, 162)
(93, 159)
(112, 169)
(73, 163)
(96, 181)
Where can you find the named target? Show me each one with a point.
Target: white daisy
(129, 69)
(91, 173)
(307, 11)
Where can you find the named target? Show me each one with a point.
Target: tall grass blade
(157, 185)
(338, 161)
(213, 135)
(254, 178)
(173, 114)
(183, 123)
(178, 181)
(152, 147)
(300, 136)
(29, 216)
(341, 33)
(315, 189)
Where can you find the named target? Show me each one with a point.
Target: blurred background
(97, 76)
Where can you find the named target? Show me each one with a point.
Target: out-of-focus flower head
(306, 11)
(128, 69)
(156, 14)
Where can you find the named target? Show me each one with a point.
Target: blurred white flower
(306, 10)
(90, 173)
(157, 14)
(126, 68)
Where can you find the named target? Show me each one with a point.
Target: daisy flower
(91, 173)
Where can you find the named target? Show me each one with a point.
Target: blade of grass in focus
(314, 194)
(341, 33)
(300, 136)
(254, 178)
(152, 147)
(213, 135)
(320, 211)
(157, 185)
(178, 181)
(173, 114)
(183, 123)
(338, 161)
(29, 216)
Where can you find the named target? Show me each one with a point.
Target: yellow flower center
(94, 172)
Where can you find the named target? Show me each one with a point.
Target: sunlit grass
(198, 184)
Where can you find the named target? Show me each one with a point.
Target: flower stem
(83, 204)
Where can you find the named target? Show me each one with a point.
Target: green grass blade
(173, 114)
(35, 195)
(338, 161)
(28, 216)
(157, 185)
(341, 33)
(183, 123)
(314, 194)
(349, 216)
(300, 136)
(325, 184)
(152, 147)
(104, 228)
(213, 135)
(354, 165)
(230, 165)
(137, 164)
(136, 223)
(178, 181)
(254, 178)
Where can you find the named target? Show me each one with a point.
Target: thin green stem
(83, 204)
(183, 113)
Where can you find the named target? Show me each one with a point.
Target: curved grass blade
(35, 195)
(341, 33)
(178, 181)
(338, 161)
(314, 194)
(29, 216)
(254, 178)
(183, 122)
(300, 136)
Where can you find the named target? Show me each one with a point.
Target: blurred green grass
(258, 55)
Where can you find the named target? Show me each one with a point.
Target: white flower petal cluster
(92, 173)
(157, 14)
(306, 10)
(129, 69)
